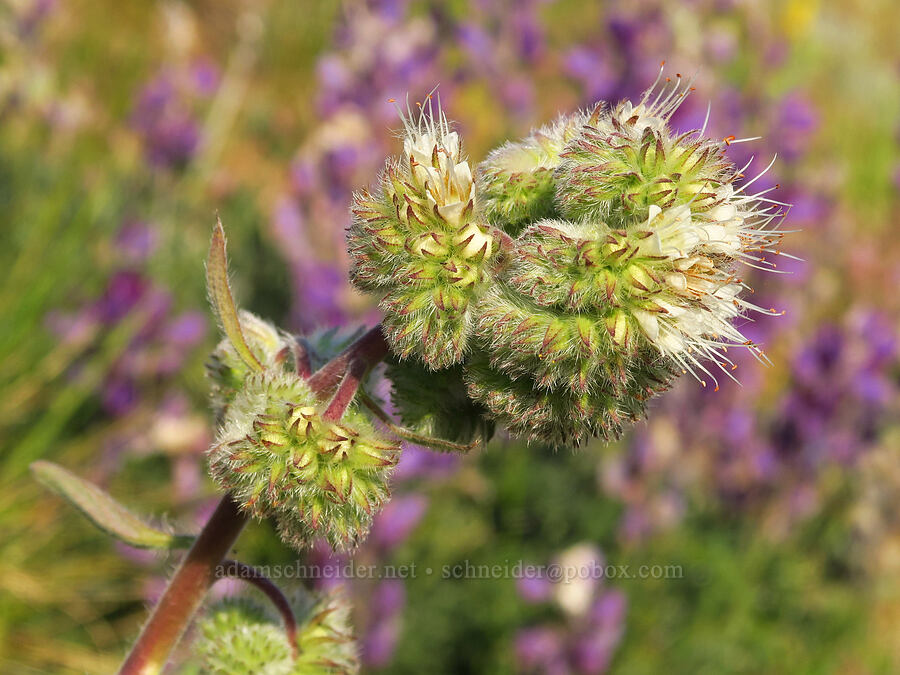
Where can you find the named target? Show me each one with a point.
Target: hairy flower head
(622, 248)
(637, 280)
(418, 244)
(279, 456)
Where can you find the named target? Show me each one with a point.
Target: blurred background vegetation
(124, 128)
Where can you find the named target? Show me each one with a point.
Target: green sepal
(436, 403)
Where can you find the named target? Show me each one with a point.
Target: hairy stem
(238, 570)
(185, 591)
(301, 360)
(343, 395)
(368, 350)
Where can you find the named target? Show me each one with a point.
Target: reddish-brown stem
(185, 591)
(301, 360)
(367, 350)
(238, 570)
(343, 395)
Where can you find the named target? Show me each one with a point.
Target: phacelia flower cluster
(286, 449)
(419, 244)
(607, 263)
(279, 455)
(237, 637)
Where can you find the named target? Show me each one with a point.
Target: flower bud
(238, 637)
(418, 244)
(517, 184)
(278, 457)
(630, 160)
(227, 371)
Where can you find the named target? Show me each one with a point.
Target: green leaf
(439, 444)
(222, 300)
(104, 511)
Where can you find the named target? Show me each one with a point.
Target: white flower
(700, 296)
(436, 164)
(674, 233)
(655, 107)
(579, 570)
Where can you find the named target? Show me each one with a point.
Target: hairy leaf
(104, 511)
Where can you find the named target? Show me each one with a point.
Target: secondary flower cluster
(419, 244)
(279, 454)
(237, 637)
(575, 274)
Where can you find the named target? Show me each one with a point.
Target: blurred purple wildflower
(161, 339)
(540, 650)
(397, 520)
(795, 123)
(585, 643)
(534, 589)
(755, 452)
(136, 241)
(165, 113)
(31, 20)
(385, 614)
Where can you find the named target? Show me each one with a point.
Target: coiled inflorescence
(419, 244)
(280, 456)
(622, 241)
(516, 183)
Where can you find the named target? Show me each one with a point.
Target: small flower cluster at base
(418, 244)
(279, 457)
(237, 637)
